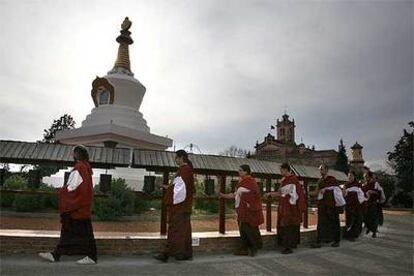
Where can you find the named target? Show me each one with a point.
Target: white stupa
(116, 120)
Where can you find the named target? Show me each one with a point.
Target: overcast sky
(217, 73)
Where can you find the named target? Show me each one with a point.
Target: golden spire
(122, 64)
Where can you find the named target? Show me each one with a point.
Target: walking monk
(248, 205)
(292, 204)
(354, 210)
(179, 200)
(75, 207)
(330, 203)
(375, 196)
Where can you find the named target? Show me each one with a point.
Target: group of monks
(361, 203)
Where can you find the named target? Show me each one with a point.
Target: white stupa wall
(117, 115)
(129, 91)
(134, 178)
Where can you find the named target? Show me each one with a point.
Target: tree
(234, 151)
(402, 160)
(387, 182)
(63, 123)
(341, 159)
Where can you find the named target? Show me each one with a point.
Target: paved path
(389, 254)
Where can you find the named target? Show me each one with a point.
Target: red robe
(250, 207)
(370, 192)
(179, 241)
(186, 173)
(351, 198)
(287, 213)
(328, 199)
(78, 203)
(328, 228)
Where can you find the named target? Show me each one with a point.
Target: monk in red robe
(75, 207)
(179, 200)
(354, 209)
(249, 211)
(375, 196)
(330, 204)
(292, 204)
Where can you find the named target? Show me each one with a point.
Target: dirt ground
(144, 223)
(140, 224)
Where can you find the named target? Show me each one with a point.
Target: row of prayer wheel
(34, 180)
(209, 185)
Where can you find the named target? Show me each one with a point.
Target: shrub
(120, 202)
(402, 199)
(50, 201)
(28, 203)
(145, 205)
(156, 204)
(14, 182)
(142, 205)
(125, 196)
(6, 200)
(107, 208)
(209, 206)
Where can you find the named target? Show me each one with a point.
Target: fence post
(163, 225)
(268, 206)
(222, 205)
(306, 215)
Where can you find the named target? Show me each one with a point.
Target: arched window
(103, 96)
(102, 92)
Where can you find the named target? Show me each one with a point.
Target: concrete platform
(389, 254)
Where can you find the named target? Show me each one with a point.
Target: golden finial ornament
(126, 24)
(122, 63)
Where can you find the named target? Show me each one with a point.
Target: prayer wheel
(105, 182)
(2, 176)
(66, 178)
(260, 184)
(33, 181)
(149, 184)
(276, 186)
(233, 184)
(209, 186)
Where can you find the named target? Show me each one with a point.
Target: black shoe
(241, 252)
(316, 245)
(287, 251)
(183, 258)
(367, 232)
(161, 257)
(252, 252)
(374, 235)
(335, 244)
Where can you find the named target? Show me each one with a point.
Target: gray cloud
(219, 74)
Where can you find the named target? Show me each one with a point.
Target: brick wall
(136, 246)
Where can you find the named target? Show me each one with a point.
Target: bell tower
(286, 130)
(357, 162)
